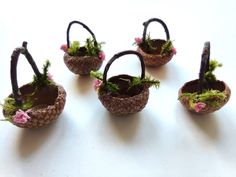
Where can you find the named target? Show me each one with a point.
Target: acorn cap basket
(126, 101)
(201, 84)
(153, 57)
(47, 102)
(81, 65)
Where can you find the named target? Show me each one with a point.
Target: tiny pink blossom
(199, 106)
(50, 77)
(101, 55)
(20, 117)
(174, 51)
(64, 47)
(97, 84)
(138, 40)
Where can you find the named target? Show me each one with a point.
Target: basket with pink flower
(123, 94)
(206, 94)
(83, 59)
(35, 104)
(155, 52)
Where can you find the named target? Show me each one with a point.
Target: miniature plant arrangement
(35, 104)
(83, 59)
(206, 94)
(123, 94)
(155, 52)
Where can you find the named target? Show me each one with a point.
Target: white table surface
(162, 140)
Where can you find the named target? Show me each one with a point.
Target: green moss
(74, 47)
(167, 47)
(90, 48)
(43, 80)
(110, 86)
(147, 45)
(136, 81)
(10, 107)
(209, 76)
(210, 97)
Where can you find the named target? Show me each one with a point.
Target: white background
(164, 139)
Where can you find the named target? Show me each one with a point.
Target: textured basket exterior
(154, 60)
(208, 108)
(123, 106)
(44, 114)
(82, 64)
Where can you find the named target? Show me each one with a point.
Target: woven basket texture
(82, 65)
(123, 104)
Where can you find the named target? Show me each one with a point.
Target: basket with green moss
(123, 94)
(206, 94)
(155, 52)
(83, 59)
(35, 104)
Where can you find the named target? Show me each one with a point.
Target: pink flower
(97, 84)
(138, 40)
(174, 51)
(50, 77)
(20, 117)
(101, 55)
(64, 47)
(199, 106)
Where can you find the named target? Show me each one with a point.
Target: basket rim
(59, 88)
(145, 54)
(195, 82)
(103, 87)
(80, 57)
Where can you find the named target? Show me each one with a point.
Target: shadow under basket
(153, 58)
(47, 104)
(192, 86)
(82, 65)
(124, 102)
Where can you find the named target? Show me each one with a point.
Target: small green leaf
(166, 47)
(209, 76)
(43, 80)
(97, 75)
(74, 48)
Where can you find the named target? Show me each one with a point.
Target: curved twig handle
(120, 54)
(86, 27)
(204, 65)
(14, 60)
(145, 24)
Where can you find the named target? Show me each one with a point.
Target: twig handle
(145, 24)
(82, 24)
(120, 54)
(204, 65)
(14, 60)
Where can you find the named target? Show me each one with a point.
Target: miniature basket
(123, 102)
(152, 56)
(47, 102)
(81, 65)
(201, 84)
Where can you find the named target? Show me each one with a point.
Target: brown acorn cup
(200, 84)
(81, 65)
(126, 101)
(152, 57)
(48, 102)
